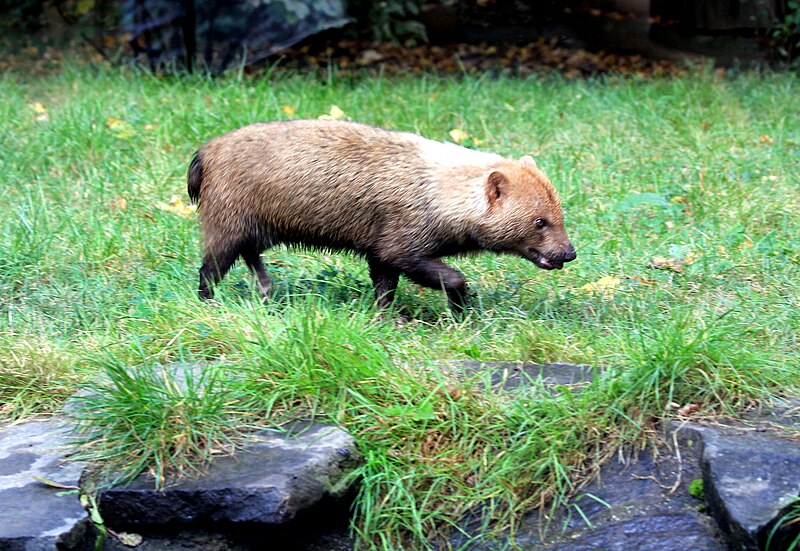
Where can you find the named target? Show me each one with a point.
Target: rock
(751, 476)
(750, 480)
(33, 517)
(679, 532)
(508, 376)
(638, 503)
(269, 482)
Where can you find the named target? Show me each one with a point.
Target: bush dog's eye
(540, 223)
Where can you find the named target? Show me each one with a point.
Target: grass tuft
(161, 419)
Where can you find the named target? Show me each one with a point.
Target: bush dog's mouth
(543, 262)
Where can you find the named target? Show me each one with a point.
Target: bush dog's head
(524, 215)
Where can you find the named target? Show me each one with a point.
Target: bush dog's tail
(195, 178)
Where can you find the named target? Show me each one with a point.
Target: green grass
(96, 277)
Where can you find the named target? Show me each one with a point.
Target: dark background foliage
(220, 35)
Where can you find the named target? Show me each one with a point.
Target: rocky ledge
(294, 489)
(276, 483)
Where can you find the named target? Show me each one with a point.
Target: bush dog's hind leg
(384, 279)
(433, 273)
(214, 268)
(252, 257)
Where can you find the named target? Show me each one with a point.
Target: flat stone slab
(268, 482)
(509, 376)
(33, 517)
(750, 479)
(640, 503)
(750, 471)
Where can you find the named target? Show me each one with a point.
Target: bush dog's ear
(496, 187)
(528, 160)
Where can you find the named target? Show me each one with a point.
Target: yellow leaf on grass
(120, 128)
(458, 136)
(40, 110)
(605, 286)
(335, 114)
(177, 206)
(288, 110)
(746, 244)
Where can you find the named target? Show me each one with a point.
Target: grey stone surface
(269, 482)
(751, 474)
(676, 532)
(509, 376)
(750, 479)
(33, 517)
(637, 503)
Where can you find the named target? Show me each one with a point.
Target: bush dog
(395, 198)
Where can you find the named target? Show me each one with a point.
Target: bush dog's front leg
(433, 273)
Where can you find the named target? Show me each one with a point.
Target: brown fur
(398, 199)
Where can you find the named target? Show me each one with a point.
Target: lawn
(681, 196)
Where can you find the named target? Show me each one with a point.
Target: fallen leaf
(177, 206)
(368, 57)
(688, 410)
(461, 137)
(53, 483)
(664, 263)
(120, 128)
(643, 280)
(335, 114)
(605, 286)
(458, 136)
(41, 111)
(119, 203)
(128, 539)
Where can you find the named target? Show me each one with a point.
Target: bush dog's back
(398, 199)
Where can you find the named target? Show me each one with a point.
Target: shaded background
(217, 36)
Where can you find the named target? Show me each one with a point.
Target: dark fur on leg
(252, 257)
(435, 274)
(214, 268)
(384, 279)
